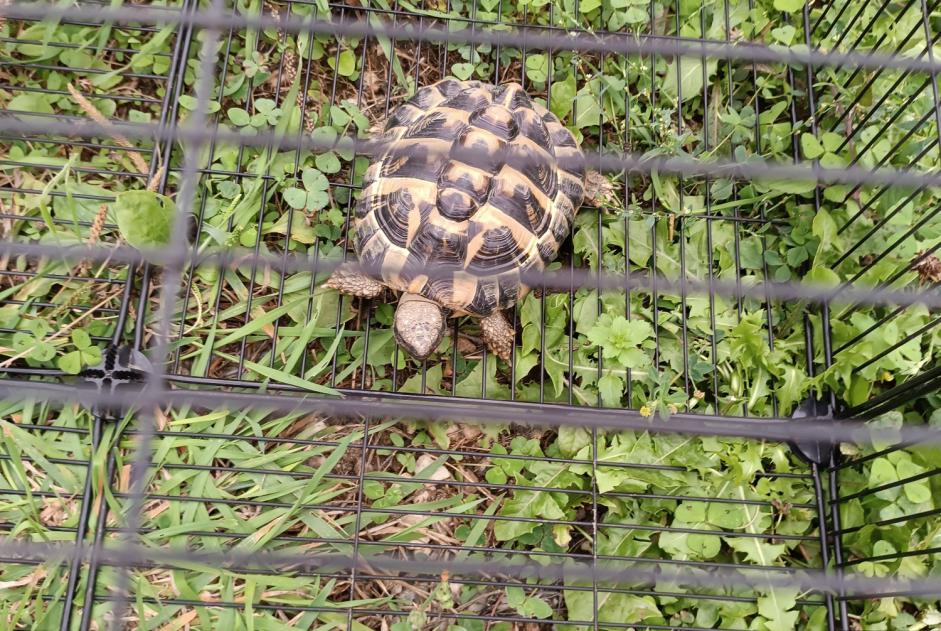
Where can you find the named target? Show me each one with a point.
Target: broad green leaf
(562, 96)
(81, 339)
(346, 65)
(789, 6)
(691, 512)
(328, 162)
(882, 472)
(145, 219)
(314, 180)
(756, 550)
(727, 516)
(831, 141)
(462, 71)
(571, 440)
(810, 146)
(822, 276)
(703, 547)
(611, 388)
(296, 198)
(685, 79)
(238, 116)
(587, 111)
(918, 491)
(71, 363)
(537, 67)
(530, 504)
(30, 102)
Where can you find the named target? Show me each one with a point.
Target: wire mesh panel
(282, 462)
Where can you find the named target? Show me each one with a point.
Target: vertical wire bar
(117, 336)
(599, 232)
(769, 317)
(825, 326)
(815, 472)
(514, 322)
(385, 116)
(678, 219)
(626, 176)
(347, 223)
(654, 291)
(91, 578)
(737, 227)
(351, 209)
(266, 181)
(173, 276)
(824, 538)
(175, 77)
(81, 528)
(596, 610)
(709, 218)
(571, 292)
(279, 301)
(354, 575)
(595, 606)
(542, 293)
(418, 73)
(202, 208)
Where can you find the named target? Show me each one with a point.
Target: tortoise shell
(475, 181)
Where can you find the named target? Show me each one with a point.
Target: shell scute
(455, 204)
(478, 182)
(497, 120)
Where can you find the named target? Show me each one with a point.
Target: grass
(249, 481)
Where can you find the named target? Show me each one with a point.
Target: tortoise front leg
(349, 279)
(498, 334)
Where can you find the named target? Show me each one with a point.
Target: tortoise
(475, 184)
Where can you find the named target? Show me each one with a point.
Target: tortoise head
(419, 325)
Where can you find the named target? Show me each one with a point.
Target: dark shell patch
(456, 175)
(497, 120)
(455, 204)
(532, 127)
(392, 212)
(536, 166)
(480, 149)
(498, 253)
(516, 201)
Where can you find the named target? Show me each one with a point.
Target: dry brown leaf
(181, 621)
(30, 579)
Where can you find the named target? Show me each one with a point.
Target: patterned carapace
(477, 182)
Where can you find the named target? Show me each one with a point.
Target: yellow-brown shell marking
(478, 183)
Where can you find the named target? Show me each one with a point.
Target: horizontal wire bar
(517, 36)
(892, 557)
(566, 279)
(889, 485)
(610, 162)
(375, 476)
(743, 576)
(489, 551)
(462, 453)
(430, 514)
(375, 405)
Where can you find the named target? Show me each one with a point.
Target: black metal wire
(178, 263)
(619, 43)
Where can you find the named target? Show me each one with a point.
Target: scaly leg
(498, 334)
(349, 279)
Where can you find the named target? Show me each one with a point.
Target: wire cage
(201, 436)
